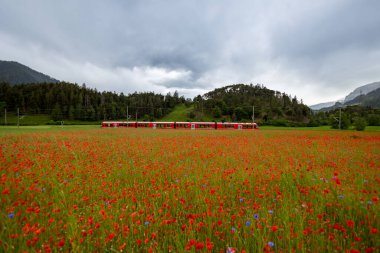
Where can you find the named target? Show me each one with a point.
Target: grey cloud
(287, 45)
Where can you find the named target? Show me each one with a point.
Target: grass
(54, 128)
(179, 113)
(40, 119)
(4, 130)
(35, 119)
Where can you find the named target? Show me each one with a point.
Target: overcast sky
(316, 50)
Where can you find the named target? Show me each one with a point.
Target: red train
(181, 125)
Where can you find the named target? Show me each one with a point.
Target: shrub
(360, 124)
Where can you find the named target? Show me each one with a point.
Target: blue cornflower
(256, 216)
(271, 244)
(146, 223)
(248, 223)
(230, 250)
(241, 200)
(270, 211)
(11, 215)
(341, 196)
(233, 230)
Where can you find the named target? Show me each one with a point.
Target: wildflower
(271, 244)
(6, 191)
(233, 230)
(341, 196)
(209, 246)
(241, 200)
(350, 223)
(248, 223)
(231, 250)
(11, 215)
(270, 211)
(61, 243)
(146, 223)
(256, 216)
(274, 228)
(199, 246)
(111, 236)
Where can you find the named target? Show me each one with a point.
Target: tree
(360, 124)
(217, 113)
(344, 124)
(374, 120)
(71, 112)
(240, 113)
(56, 114)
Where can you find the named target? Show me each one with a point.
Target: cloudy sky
(316, 50)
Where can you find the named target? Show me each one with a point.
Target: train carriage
(181, 125)
(163, 125)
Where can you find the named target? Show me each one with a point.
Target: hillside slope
(371, 99)
(16, 73)
(362, 90)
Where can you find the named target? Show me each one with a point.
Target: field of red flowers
(138, 190)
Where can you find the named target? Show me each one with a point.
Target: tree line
(347, 116)
(70, 101)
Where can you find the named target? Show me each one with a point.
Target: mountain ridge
(359, 91)
(16, 73)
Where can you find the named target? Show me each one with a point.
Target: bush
(360, 124)
(374, 120)
(278, 122)
(345, 122)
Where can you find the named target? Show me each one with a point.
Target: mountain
(324, 105)
(362, 90)
(371, 99)
(16, 73)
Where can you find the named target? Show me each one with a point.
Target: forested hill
(237, 101)
(67, 101)
(16, 73)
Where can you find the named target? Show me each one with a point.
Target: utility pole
(340, 118)
(127, 115)
(18, 117)
(136, 114)
(253, 114)
(5, 116)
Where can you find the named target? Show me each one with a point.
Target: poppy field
(142, 190)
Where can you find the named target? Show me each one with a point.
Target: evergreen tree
(56, 113)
